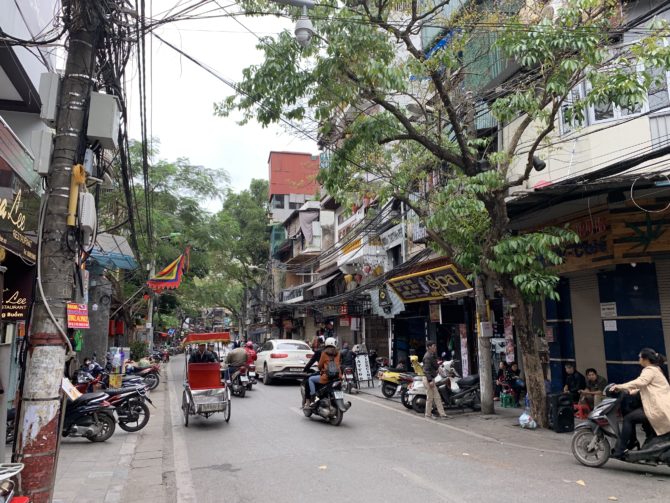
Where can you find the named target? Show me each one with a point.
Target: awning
(323, 282)
(113, 252)
(431, 280)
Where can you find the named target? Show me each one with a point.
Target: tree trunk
(534, 376)
(484, 350)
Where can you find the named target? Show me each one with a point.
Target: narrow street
(270, 452)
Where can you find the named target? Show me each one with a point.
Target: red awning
(207, 337)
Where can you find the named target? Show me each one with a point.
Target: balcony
(292, 295)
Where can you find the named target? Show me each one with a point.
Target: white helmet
(330, 341)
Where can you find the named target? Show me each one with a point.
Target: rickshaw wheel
(185, 407)
(227, 411)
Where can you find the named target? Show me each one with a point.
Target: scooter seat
(469, 381)
(119, 391)
(87, 397)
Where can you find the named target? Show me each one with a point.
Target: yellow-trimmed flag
(170, 277)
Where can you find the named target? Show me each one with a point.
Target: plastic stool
(506, 400)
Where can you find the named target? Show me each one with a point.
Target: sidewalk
(127, 467)
(502, 427)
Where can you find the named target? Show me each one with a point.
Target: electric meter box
(103, 120)
(42, 143)
(48, 90)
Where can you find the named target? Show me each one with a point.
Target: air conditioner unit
(87, 219)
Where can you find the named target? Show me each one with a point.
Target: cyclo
(204, 391)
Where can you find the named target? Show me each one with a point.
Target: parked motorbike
(595, 439)
(151, 375)
(90, 416)
(9, 471)
(456, 392)
(330, 404)
(131, 409)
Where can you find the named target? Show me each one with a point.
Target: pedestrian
(432, 394)
(574, 382)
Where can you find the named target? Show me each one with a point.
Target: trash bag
(526, 421)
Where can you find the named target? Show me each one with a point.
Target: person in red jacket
(251, 354)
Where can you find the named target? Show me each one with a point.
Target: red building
(292, 182)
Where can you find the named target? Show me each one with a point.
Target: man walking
(432, 393)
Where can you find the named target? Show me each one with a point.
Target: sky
(182, 96)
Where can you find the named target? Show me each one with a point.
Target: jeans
(433, 397)
(312, 381)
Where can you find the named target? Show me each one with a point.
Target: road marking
(443, 424)
(182, 470)
(423, 483)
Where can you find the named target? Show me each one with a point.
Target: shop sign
(345, 321)
(608, 310)
(18, 291)
(463, 333)
(15, 221)
(77, 315)
(392, 237)
(433, 284)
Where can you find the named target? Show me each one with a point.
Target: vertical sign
(462, 330)
(77, 315)
(509, 339)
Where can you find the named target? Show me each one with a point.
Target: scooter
(251, 373)
(398, 379)
(90, 416)
(456, 392)
(349, 381)
(594, 440)
(238, 381)
(329, 403)
(151, 375)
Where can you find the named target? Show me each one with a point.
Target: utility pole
(150, 307)
(484, 348)
(41, 400)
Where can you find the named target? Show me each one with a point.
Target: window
(567, 125)
(278, 201)
(294, 206)
(658, 91)
(267, 346)
(301, 346)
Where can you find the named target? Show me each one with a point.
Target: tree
(398, 118)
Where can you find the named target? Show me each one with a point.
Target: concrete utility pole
(41, 398)
(484, 349)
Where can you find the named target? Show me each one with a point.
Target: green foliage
(138, 350)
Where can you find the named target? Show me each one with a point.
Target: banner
(170, 277)
(433, 284)
(18, 293)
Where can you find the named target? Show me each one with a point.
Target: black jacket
(430, 365)
(206, 357)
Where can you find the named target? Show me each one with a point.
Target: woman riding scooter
(655, 394)
(329, 355)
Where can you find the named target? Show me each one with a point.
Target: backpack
(332, 372)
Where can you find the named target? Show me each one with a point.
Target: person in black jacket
(202, 355)
(346, 356)
(432, 394)
(574, 382)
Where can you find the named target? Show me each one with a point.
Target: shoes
(429, 417)
(445, 416)
(619, 455)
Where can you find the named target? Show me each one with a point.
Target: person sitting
(327, 373)
(347, 356)
(501, 379)
(202, 355)
(317, 347)
(210, 348)
(654, 391)
(574, 382)
(235, 359)
(251, 353)
(595, 385)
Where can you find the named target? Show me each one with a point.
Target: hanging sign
(77, 315)
(435, 309)
(432, 284)
(463, 333)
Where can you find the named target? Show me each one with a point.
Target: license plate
(252, 374)
(244, 379)
(295, 370)
(339, 395)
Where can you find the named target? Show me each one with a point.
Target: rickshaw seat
(204, 375)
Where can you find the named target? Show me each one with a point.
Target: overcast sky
(183, 95)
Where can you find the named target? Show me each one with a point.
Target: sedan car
(283, 359)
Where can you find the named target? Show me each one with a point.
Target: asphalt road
(269, 452)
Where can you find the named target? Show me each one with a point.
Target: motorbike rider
(329, 354)
(202, 355)
(430, 368)
(347, 356)
(235, 359)
(317, 347)
(654, 391)
(251, 353)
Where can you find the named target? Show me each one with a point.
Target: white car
(283, 359)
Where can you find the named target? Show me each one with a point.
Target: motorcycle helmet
(249, 344)
(330, 341)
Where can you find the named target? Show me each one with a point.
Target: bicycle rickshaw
(204, 392)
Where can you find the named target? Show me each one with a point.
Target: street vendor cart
(204, 392)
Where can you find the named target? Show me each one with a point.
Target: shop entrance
(408, 333)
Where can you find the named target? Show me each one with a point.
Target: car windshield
(293, 345)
